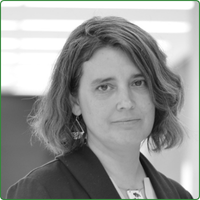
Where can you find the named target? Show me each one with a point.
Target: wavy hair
(53, 118)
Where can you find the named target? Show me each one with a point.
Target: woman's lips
(126, 122)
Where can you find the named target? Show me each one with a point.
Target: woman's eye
(104, 88)
(139, 83)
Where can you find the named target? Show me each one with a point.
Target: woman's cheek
(146, 105)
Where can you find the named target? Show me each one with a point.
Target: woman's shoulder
(165, 187)
(40, 182)
(66, 177)
(50, 169)
(183, 193)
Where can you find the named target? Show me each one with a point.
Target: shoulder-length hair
(53, 118)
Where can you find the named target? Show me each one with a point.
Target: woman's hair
(53, 117)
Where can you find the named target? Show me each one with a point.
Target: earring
(77, 134)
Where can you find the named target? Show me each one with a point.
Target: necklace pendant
(134, 194)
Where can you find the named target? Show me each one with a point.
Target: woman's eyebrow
(138, 75)
(102, 80)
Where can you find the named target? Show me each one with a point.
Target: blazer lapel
(159, 182)
(89, 172)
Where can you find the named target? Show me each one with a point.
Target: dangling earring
(77, 134)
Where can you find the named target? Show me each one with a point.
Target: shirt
(148, 189)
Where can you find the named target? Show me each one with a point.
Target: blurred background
(32, 35)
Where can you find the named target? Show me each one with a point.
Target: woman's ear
(76, 109)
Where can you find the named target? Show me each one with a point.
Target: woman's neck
(122, 164)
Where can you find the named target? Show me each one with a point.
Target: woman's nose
(126, 102)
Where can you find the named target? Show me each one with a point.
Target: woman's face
(114, 100)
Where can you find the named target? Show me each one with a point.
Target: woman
(111, 90)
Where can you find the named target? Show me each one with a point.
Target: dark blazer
(80, 175)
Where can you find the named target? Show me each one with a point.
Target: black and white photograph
(99, 99)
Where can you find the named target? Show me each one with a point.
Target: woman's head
(114, 101)
(54, 117)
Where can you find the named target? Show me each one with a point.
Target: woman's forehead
(110, 63)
